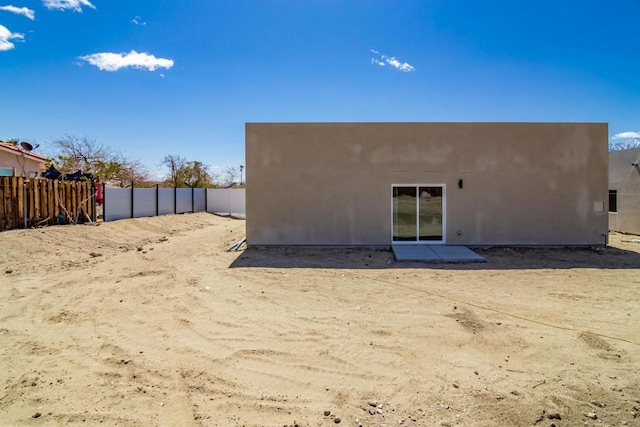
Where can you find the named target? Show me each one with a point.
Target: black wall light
(459, 183)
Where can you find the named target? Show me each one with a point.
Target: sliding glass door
(418, 213)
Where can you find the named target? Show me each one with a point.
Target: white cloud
(138, 21)
(392, 62)
(25, 11)
(626, 135)
(402, 66)
(6, 36)
(114, 61)
(75, 5)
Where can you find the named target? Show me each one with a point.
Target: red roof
(16, 150)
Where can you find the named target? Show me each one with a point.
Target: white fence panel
(183, 200)
(144, 202)
(117, 203)
(227, 201)
(166, 201)
(200, 199)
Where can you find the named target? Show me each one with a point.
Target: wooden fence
(28, 203)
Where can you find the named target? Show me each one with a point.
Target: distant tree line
(72, 153)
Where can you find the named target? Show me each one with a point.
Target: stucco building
(624, 190)
(382, 184)
(15, 161)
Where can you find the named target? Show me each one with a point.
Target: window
(613, 201)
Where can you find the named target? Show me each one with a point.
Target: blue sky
(151, 78)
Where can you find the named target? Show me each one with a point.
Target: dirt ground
(150, 322)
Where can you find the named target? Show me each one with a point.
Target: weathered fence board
(34, 202)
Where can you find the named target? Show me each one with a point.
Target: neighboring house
(624, 190)
(382, 184)
(15, 161)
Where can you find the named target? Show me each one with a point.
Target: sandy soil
(150, 322)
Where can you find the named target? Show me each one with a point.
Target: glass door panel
(430, 214)
(405, 216)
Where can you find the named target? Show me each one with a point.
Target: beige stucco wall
(625, 178)
(523, 183)
(23, 166)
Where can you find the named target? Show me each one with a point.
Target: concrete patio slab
(435, 253)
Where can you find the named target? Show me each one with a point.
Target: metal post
(132, 188)
(104, 202)
(206, 203)
(193, 205)
(175, 200)
(157, 199)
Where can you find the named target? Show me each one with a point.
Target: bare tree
(228, 177)
(176, 165)
(185, 173)
(122, 172)
(198, 175)
(74, 153)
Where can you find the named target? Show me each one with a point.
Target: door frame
(444, 215)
